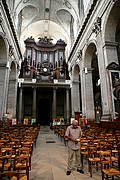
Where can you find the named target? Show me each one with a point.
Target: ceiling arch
(27, 16)
(44, 28)
(53, 18)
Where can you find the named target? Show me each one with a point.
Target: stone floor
(49, 160)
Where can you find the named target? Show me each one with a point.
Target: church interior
(59, 61)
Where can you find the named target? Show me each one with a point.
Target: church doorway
(44, 112)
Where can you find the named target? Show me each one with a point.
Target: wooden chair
(25, 152)
(93, 159)
(4, 142)
(28, 144)
(7, 155)
(106, 166)
(21, 165)
(84, 149)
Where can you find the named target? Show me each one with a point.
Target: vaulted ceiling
(56, 19)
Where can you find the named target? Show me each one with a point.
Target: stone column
(110, 52)
(65, 117)
(34, 103)
(106, 55)
(4, 79)
(11, 98)
(83, 96)
(54, 104)
(88, 95)
(67, 105)
(20, 104)
(75, 97)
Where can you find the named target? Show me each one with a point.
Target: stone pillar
(4, 79)
(106, 55)
(34, 103)
(75, 97)
(110, 55)
(110, 52)
(54, 104)
(20, 104)
(65, 117)
(67, 105)
(11, 98)
(88, 100)
(83, 96)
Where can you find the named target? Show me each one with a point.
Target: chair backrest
(105, 159)
(7, 153)
(24, 151)
(84, 142)
(28, 144)
(21, 165)
(92, 151)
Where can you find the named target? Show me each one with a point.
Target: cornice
(11, 25)
(84, 25)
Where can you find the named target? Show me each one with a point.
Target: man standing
(74, 133)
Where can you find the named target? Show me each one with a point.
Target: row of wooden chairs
(101, 149)
(16, 151)
(105, 162)
(21, 167)
(20, 160)
(20, 134)
(97, 143)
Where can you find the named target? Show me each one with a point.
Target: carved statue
(45, 40)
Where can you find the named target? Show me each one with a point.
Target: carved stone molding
(11, 52)
(97, 26)
(1, 20)
(79, 55)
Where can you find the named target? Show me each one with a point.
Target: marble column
(34, 103)
(20, 104)
(54, 104)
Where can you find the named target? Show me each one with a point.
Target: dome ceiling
(56, 19)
